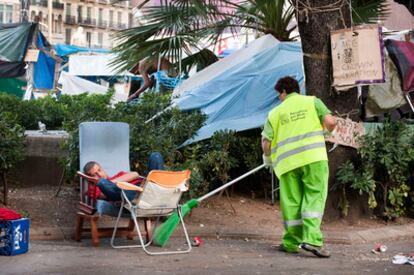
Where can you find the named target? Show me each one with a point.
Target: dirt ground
(237, 213)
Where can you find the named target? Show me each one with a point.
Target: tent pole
(50, 9)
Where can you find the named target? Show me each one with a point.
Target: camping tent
(237, 92)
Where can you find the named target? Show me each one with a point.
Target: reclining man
(107, 189)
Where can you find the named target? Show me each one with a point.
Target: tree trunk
(5, 188)
(314, 29)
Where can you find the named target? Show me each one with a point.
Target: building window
(111, 17)
(79, 13)
(100, 16)
(68, 34)
(88, 38)
(89, 13)
(100, 39)
(59, 26)
(9, 14)
(1, 13)
(68, 11)
(119, 17)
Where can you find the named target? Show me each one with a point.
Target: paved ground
(223, 256)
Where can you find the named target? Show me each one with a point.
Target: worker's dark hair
(287, 83)
(88, 166)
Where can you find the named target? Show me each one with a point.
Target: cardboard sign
(357, 56)
(347, 133)
(31, 55)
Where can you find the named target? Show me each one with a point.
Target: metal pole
(50, 9)
(231, 182)
(24, 11)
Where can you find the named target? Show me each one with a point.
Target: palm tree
(179, 28)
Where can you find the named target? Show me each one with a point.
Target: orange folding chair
(159, 197)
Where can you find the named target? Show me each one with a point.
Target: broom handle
(230, 183)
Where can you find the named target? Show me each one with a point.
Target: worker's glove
(267, 160)
(328, 134)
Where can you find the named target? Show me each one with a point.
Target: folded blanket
(7, 215)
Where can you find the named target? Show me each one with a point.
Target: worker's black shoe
(316, 250)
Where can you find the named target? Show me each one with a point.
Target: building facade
(98, 18)
(9, 11)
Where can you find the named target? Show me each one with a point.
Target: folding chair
(160, 197)
(108, 144)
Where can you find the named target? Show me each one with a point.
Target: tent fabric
(12, 69)
(44, 68)
(65, 50)
(385, 96)
(73, 85)
(402, 54)
(218, 68)
(13, 86)
(240, 97)
(93, 65)
(14, 40)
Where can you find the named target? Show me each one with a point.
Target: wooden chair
(107, 143)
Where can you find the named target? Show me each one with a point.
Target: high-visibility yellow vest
(298, 134)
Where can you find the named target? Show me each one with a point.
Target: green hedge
(212, 162)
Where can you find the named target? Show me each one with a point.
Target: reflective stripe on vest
(296, 138)
(297, 151)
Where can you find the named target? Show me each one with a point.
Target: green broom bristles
(163, 232)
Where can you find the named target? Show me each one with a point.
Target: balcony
(43, 3)
(69, 19)
(87, 21)
(102, 24)
(57, 5)
(118, 3)
(117, 26)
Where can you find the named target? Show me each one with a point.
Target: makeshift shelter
(63, 50)
(87, 70)
(14, 41)
(402, 53)
(237, 92)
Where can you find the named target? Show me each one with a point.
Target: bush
(11, 146)
(383, 169)
(152, 128)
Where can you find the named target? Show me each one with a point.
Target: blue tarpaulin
(44, 68)
(241, 97)
(65, 50)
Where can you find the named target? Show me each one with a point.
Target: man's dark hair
(287, 83)
(88, 166)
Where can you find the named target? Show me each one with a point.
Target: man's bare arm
(329, 122)
(147, 83)
(128, 177)
(266, 146)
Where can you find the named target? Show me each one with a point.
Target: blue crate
(14, 237)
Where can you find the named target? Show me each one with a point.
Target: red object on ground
(8, 215)
(197, 241)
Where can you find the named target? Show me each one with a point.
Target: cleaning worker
(293, 144)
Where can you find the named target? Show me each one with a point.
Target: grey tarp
(14, 39)
(386, 96)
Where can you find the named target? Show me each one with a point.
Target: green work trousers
(303, 193)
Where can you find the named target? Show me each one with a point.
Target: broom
(163, 232)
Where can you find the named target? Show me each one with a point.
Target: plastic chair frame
(127, 204)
